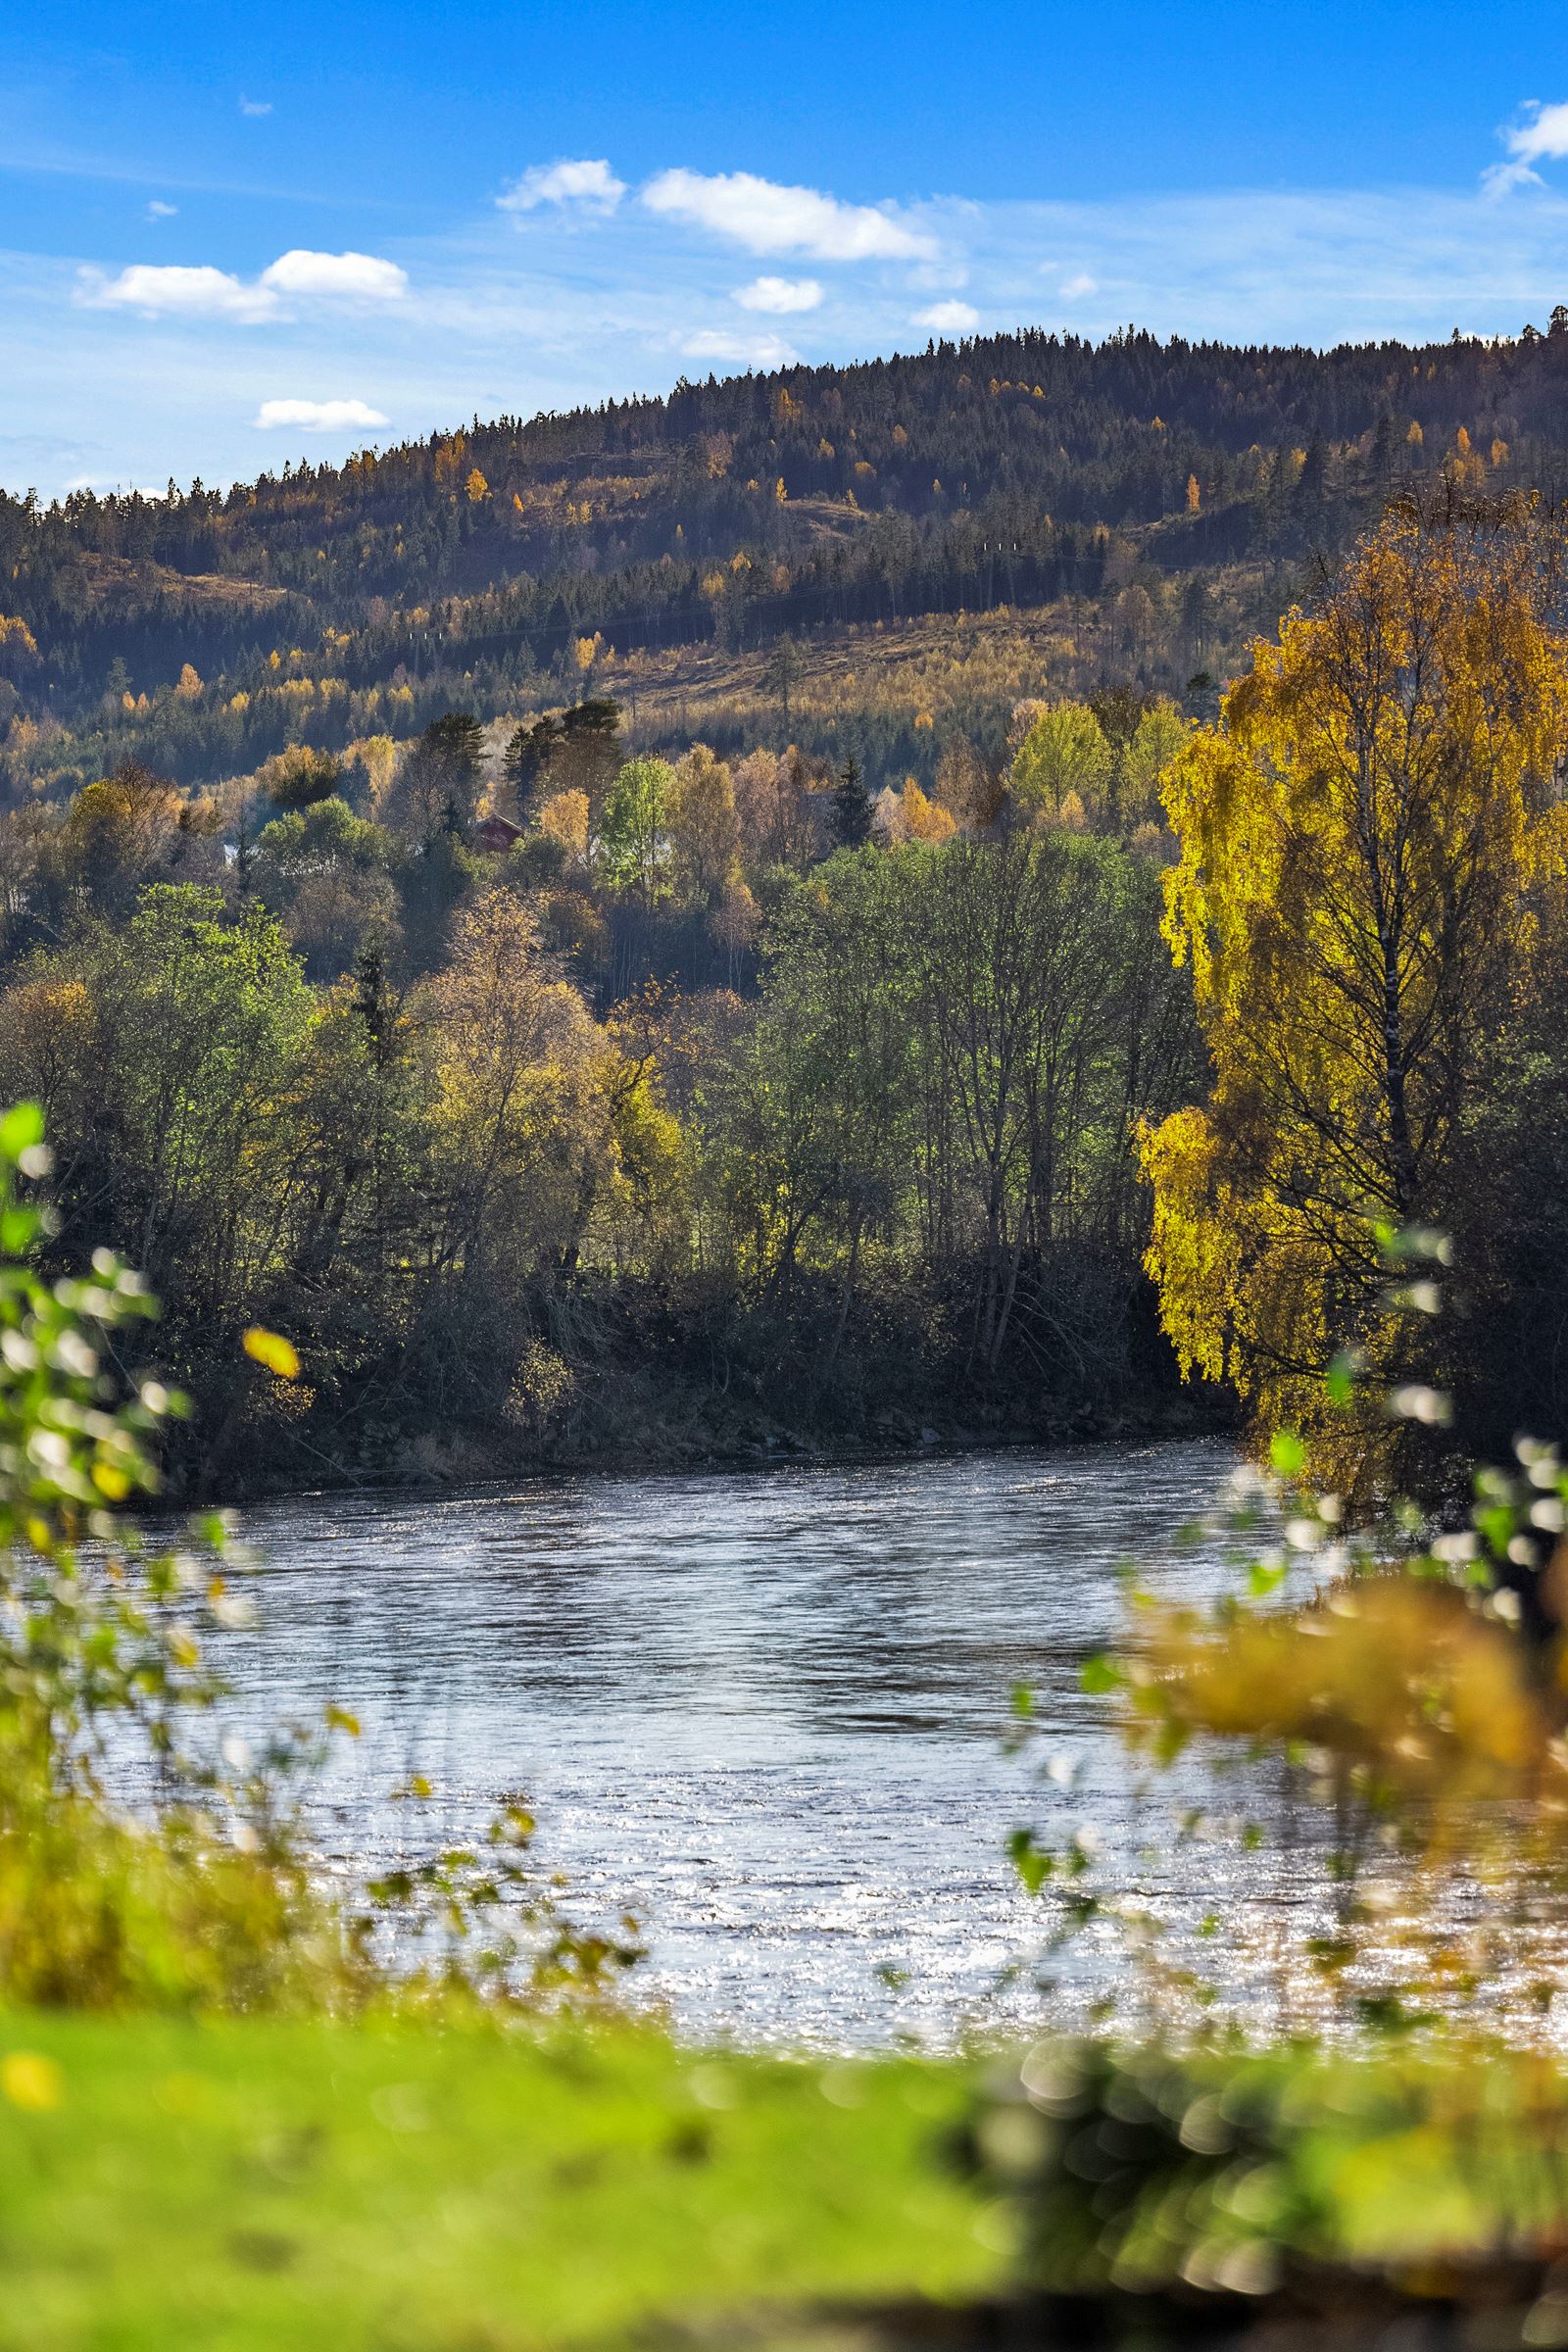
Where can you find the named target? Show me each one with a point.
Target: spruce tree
(851, 811)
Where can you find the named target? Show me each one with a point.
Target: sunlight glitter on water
(763, 1710)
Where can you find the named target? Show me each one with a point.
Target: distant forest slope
(1130, 511)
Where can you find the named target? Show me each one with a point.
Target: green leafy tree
(636, 829)
(1160, 734)
(159, 1050)
(1064, 754)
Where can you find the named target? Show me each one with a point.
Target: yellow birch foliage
(564, 818)
(1360, 836)
(926, 820)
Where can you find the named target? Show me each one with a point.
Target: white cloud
(173, 291)
(740, 351)
(767, 217)
(352, 276)
(318, 415)
(1542, 137)
(170, 290)
(590, 186)
(157, 209)
(256, 105)
(778, 296)
(950, 318)
(1080, 283)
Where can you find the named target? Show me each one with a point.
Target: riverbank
(640, 1377)
(633, 1428)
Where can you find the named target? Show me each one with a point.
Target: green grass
(289, 2187)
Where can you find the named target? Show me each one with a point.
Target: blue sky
(235, 235)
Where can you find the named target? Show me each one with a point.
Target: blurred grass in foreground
(269, 2184)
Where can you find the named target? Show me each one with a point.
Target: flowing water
(763, 1709)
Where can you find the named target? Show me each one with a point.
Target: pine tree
(851, 811)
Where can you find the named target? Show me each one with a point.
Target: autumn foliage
(1365, 840)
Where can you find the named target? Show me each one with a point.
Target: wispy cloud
(1541, 136)
(255, 106)
(319, 416)
(157, 209)
(779, 296)
(199, 291)
(767, 217)
(949, 317)
(583, 187)
(1074, 288)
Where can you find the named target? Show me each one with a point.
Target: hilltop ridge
(1157, 502)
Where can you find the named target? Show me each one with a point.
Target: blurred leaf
(1496, 1525)
(32, 2082)
(270, 1348)
(1033, 1865)
(19, 1129)
(1286, 1453)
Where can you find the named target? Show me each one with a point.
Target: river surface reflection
(761, 1709)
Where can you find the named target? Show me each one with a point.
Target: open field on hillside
(935, 668)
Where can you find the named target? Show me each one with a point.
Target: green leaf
(1099, 1674)
(1286, 1453)
(1033, 1867)
(19, 1230)
(1338, 1380)
(1496, 1526)
(19, 1129)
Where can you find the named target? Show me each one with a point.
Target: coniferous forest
(1160, 503)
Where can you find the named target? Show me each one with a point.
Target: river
(761, 1709)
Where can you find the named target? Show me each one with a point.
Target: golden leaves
(271, 1349)
(1358, 837)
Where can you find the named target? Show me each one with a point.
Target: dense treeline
(860, 1161)
(1154, 491)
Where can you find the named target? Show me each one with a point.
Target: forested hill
(1155, 502)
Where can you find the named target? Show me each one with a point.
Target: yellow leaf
(270, 1348)
(31, 2082)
